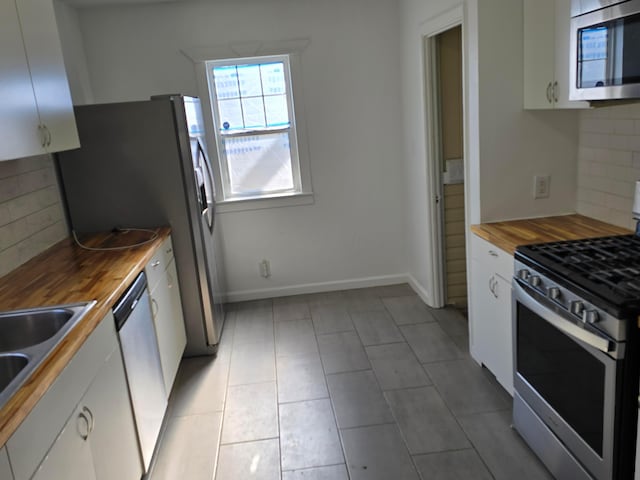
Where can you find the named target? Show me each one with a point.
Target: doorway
(444, 80)
(450, 108)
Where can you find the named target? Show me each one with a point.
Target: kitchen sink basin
(28, 336)
(10, 366)
(24, 329)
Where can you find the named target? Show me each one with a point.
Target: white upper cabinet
(546, 55)
(18, 112)
(37, 111)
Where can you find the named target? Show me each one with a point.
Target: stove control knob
(523, 274)
(577, 307)
(554, 293)
(535, 281)
(590, 316)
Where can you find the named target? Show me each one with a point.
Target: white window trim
(293, 48)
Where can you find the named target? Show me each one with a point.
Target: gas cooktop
(605, 268)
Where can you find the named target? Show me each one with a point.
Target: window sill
(289, 200)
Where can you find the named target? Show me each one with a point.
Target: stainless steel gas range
(575, 334)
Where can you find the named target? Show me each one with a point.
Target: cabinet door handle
(169, 250)
(43, 136)
(555, 91)
(154, 307)
(493, 253)
(87, 424)
(92, 420)
(155, 264)
(48, 132)
(549, 98)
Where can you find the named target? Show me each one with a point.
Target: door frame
(428, 31)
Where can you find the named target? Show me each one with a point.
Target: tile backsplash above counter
(609, 163)
(31, 214)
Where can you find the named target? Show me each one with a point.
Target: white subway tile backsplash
(595, 140)
(623, 127)
(609, 163)
(596, 125)
(31, 215)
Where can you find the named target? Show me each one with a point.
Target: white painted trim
(365, 282)
(264, 202)
(422, 292)
(426, 31)
(442, 22)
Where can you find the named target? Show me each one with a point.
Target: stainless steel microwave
(605, 46)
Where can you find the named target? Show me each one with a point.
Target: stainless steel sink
(24, 329)
(28, 336)
(10, 366)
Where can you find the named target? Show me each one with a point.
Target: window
(255, 129)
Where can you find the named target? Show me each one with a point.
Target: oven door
(568, 374)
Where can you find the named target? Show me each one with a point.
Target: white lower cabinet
(166, 307)
(113, 440)
(83, 428)
(5, 468)
(490, 310)
(169, 323)
(70, 456)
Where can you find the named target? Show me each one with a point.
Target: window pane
(249, 78)
(253, 110)
(226, 80)
(276, 110)
(259, 163)
(230, 114)
(273, 78)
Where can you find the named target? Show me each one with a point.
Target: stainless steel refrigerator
(144, 164)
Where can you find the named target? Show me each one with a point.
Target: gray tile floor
(361, 384)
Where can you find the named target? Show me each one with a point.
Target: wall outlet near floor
(541, 186)
(265, 268)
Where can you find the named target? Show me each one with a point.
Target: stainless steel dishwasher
(139, 347)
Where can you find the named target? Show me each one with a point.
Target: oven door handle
(600, 343)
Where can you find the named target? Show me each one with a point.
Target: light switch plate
(541, 186)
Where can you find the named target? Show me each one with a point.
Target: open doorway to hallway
(447, 77)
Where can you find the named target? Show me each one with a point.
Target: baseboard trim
(419, 289)
(243, 295)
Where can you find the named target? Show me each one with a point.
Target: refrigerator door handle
(209, 192)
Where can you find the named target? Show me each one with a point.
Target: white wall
(417, 191)
(356, 228)
(609, 163)
(75, 60)
(505, 146)
(516, 144)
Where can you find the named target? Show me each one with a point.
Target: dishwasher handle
(129, 299)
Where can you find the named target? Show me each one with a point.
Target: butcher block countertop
(509, 234)
(63, 274)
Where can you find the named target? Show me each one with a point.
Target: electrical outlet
(541, 186)
(265, 268)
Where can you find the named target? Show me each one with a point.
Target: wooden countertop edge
(510, 234)
(25, 399)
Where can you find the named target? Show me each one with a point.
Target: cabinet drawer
(31, 441)
(492, 257)
(159, 263)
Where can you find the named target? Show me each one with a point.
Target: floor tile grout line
(333, 410)
(226, 396)
(456, 419)
(275, 367)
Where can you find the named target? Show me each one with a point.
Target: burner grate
(608, 265)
